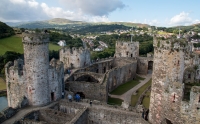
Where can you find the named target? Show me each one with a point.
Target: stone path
(25, 111)
(127, 96)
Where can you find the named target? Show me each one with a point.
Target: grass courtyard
(14, 43)
(126, 86)
(2, 84)
(134, 98)
(114, 101)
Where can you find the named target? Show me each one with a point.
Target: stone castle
(36, 82)
(174, 97)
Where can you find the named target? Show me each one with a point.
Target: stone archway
(87, 78)
(150, 65)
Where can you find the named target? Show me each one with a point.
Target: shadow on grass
(134, 98)
(126, 86)
(114, 101)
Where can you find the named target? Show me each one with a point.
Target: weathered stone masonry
(34, 79)
(171, 58)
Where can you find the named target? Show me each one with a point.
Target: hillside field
(14, 43)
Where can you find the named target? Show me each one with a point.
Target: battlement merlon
(170, 43)
(119, 43)
(35, 38)
(73, 50)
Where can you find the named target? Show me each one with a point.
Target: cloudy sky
(153, 12)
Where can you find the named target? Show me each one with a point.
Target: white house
(62, 43)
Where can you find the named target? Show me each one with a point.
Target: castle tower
(127, 49)
(36, 57)
(167, 78)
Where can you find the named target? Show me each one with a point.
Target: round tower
(36, 57)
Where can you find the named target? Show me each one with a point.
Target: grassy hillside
(14, 43)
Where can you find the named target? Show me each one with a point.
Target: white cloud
(31, 10)
(181, 19)
(33, 3)
(18, 1)
(93, 7)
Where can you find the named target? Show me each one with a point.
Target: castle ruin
(174, 97)
(34, 81)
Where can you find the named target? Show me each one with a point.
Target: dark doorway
(52, 96)
(97, 71)
(150, 65)
(131, 55)
(168, 121)
(104, 70)
(82, 95)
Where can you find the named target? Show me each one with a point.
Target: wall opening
(150, 65)
(131, 55)
(97, 71)
(168, 121)
(82, 95)
(87, 78)
(104, 69)
(52, 96)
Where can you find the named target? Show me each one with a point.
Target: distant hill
(5, 30)
(61, 21)
(66, 23)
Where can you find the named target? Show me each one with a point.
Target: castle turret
(171, 58)
(36, 57)
(127, 49)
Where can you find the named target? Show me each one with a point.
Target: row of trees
(70, 42)
(5, 30)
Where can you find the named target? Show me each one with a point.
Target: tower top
(35, 37)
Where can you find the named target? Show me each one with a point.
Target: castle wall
(91, 90)
(167, 84)
(126, 49)
(103, 116)
(36, 56)
(121, 74)
(74, 58)
(56, 79)
(15, 81)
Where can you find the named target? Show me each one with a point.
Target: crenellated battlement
(35, 38)
(170, 43)
(58, 65)
(14, 69)
(74, 50)
(128, 44)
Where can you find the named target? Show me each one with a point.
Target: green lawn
(134, 98)
(2, 84)
(114, 101)
(14, 43)
(146, 100)
(126, 86)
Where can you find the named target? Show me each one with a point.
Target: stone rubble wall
(126, 49)
(171, 58)
(74, 58)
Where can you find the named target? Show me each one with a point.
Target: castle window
(189, 76)
(174, 97)
(178, 62)
(199, 98)
(127, 53)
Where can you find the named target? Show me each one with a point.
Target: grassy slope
(14, 43)
(126, 86)
(134, 98)
(2, 84)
